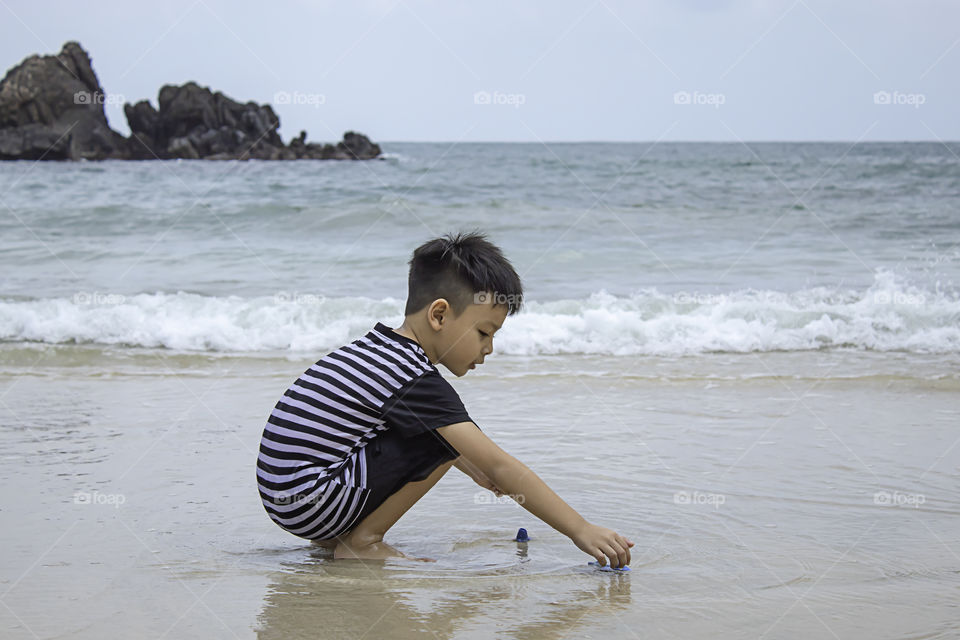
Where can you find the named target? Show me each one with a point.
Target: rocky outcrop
(194, 122)
(354, 146)
(51, 108)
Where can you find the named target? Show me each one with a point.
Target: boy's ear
(438, 312)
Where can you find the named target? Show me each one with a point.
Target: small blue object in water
(607, 567)
(522, 535)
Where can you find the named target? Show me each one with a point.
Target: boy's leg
(366, 539)
(326, 544)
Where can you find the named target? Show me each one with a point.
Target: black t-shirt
(423, 404)
(381, 381)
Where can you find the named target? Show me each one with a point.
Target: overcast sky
(531, 70)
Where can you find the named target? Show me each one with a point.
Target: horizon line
(771, 141)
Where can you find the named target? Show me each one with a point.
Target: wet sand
(776, 495)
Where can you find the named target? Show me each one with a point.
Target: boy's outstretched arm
(514, 478)
(477, 475)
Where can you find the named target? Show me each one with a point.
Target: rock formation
(51, 108)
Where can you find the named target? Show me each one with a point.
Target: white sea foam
(888, 316)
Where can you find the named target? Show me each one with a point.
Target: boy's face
(463, 341)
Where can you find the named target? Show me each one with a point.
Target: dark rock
(182, 148)
(51, 107)
(192, 122)
(141, 116)
(33, 142)
(355, 146)
(358, 146)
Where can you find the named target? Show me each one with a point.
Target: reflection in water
(323, 598)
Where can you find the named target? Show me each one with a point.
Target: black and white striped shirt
(311, 471)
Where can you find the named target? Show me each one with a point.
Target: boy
(365, 432)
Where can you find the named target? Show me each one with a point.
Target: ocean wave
(397, 157)
(887, 316)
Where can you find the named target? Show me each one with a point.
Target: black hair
(456, 267)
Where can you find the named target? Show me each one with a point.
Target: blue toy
(607, 567)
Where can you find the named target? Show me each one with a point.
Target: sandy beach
(768, 409)
(774, 495)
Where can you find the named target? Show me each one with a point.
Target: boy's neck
(406, 332)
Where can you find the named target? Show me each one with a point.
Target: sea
(745, 357)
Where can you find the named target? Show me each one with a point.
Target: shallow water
(782, 495)
(743, 357)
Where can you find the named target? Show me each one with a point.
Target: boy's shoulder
(381, 357)
(393, 374)
(388, 348)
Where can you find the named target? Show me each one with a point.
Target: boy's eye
(483, 334)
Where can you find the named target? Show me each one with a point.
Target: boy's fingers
(613, 555)
(623, 557)
(623, 552)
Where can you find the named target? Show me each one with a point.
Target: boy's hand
(600, 541)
